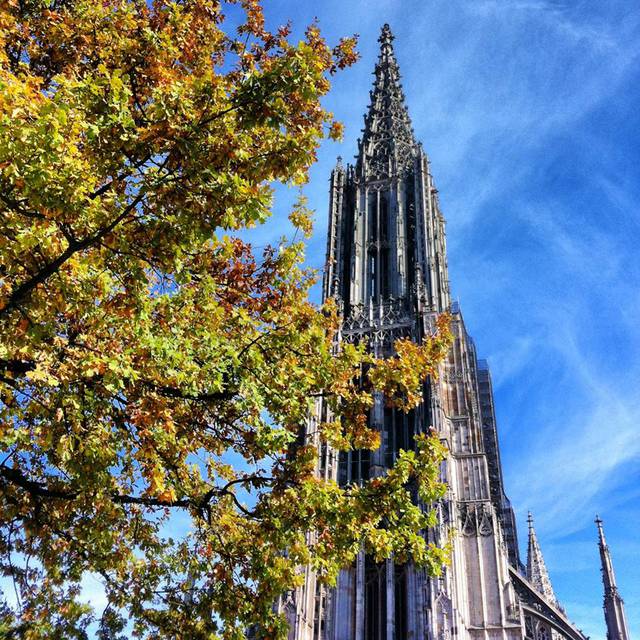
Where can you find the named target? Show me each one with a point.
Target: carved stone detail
(485, 527)
(476, 519)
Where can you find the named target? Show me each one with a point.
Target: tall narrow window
(360, 460)
(319, 613)
(343, 467)
(384, 216)
(372, 208)
(399, 430)
(375, 609)
(389, 435)
(373, 289)
(400, 602)
(384, 272)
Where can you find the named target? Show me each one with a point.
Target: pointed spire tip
(599, 524)
(385, 34)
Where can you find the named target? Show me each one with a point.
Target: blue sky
(529, 112)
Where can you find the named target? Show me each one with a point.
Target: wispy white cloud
(575, 462)
(558, 15)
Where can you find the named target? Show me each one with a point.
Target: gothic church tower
(387, 268)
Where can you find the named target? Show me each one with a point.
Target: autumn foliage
(155, 373)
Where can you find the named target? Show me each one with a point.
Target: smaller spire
(613, 604)
(536, 568)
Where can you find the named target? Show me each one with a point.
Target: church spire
(388, 141)
(613, 604)
(536, 568)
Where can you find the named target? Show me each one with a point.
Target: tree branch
(23, 290)
(41, 490)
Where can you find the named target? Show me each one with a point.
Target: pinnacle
(613, 605)
(536, 568)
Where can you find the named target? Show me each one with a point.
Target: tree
(151, 366)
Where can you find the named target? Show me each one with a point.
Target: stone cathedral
(387, 268)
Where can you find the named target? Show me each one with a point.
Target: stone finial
(386, 37)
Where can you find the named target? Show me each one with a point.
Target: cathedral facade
(387, 269)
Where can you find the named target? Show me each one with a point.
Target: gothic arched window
(528, 627)
(543, 633)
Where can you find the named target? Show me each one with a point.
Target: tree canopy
(155, 372)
